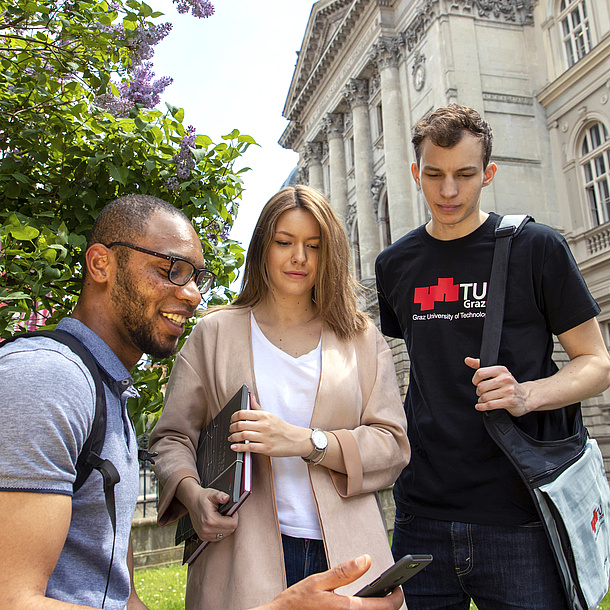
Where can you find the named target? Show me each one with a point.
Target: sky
(233, 70)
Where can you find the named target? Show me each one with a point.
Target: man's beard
(131, 306)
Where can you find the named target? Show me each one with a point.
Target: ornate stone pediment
(323, 25)
(329, 27)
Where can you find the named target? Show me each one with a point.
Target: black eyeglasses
(180, 270)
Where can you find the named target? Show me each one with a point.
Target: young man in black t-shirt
(459, 498)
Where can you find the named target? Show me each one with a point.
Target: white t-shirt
(287, 387)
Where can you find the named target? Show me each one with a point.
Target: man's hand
(317, 591)
(498, 389)
(203, 505)
(585, 375)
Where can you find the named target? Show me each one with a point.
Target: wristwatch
(320, 443)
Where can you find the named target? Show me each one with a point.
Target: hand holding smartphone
(400, 572)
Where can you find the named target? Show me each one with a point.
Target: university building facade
(538, 71)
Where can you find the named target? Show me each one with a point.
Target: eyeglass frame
(172, 260)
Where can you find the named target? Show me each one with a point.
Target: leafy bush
(77, 131)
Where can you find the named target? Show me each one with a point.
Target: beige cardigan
(357, 399)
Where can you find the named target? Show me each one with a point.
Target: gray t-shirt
(47, 406)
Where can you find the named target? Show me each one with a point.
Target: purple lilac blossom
(184, 157)
(145, 39)
(199, 8)
(116, 106)
(171, 184)
(142, 89)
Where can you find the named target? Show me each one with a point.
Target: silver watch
(320, 444)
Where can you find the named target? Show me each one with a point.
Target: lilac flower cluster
(145, 39)
(171, 184)
(117, 106)
(199, 8)
(142, 89)
(184, 157)
(214, 232)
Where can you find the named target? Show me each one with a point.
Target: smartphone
(394, 576)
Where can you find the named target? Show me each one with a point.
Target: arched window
(595, 162)
(576, 29)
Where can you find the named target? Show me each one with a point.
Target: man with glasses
(144, 276)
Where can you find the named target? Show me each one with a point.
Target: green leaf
(231, 136)
(247, 139)
(130, 23)
(120, 174)
(24, 233)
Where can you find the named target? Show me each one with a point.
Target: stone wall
(153, 546)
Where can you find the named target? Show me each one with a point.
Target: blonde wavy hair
(333, 294)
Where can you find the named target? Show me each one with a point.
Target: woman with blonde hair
(327, 430)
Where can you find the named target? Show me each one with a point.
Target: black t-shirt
(432, 293)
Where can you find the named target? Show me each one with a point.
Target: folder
(221, 468)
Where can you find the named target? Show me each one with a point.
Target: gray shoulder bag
(566, 477)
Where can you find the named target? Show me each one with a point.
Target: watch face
(319, 439)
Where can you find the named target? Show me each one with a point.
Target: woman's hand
(267, 434)
(203, 505)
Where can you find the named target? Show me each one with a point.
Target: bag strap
(508, 227)
(89, 457)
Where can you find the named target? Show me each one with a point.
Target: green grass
(163, 588)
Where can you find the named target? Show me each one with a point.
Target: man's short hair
(446, 125)
(126, 218)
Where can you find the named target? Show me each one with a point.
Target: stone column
(386, 54)
(313, 158)
(333, 126)
(357, 94)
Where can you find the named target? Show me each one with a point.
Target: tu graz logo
(472, 295)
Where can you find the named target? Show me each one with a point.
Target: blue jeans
(302, 557)
(498, 567)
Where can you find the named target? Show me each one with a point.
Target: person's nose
(299, 254)
(449, 187)
(189, 293)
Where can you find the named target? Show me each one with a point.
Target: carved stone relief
(427, 11)
(357, 92)
(351, 216)
(376, 188)
(333, 125)
(312, 153)
(419, 71)
(386, 52)
(375, 82)
(517, 11)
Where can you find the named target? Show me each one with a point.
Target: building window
(350, 153)
(576, 29)
(596, 167)
(379, 119)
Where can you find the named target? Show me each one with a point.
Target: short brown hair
(333, 292)
(446, 125)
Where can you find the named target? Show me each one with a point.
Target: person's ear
(99, 261)
(490, 172)
(415, 173)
